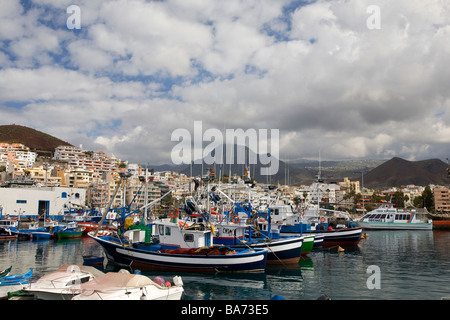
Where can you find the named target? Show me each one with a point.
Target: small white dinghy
(125, 286)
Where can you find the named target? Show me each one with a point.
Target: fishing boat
(126, 286)
(280, 250)
(176, 248)
(12, 283)
(69, 233)
(7, 234)
(47, 231)
(171, 247)
(93, 260)
(332, 227)
(63, 283)
(245, 227)
(5, 272)
(109, 223)
(386, 217)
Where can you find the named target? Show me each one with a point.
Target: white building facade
(49, 202)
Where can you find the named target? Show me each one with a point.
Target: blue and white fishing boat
(177, 248)
(12, 283)
(8, 229)
(386, 217)
(173, 247)
(331, 227)
(242, 226)
(45, 232)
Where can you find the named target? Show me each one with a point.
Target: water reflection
(413, 264)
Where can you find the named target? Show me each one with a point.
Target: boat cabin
(9, 224)
(283, 213)
(173, 235)
(229, 233)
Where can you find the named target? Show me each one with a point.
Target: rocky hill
(397, 172)
(40, 142)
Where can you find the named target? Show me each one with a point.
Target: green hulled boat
(69, 233)
(308, 243)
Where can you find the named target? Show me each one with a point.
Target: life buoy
(323, 219)
(174, 215)
(235, 219)
(48, 220)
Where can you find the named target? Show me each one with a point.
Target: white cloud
(138, 69)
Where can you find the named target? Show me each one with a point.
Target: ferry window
(21, 201)
(161, 230)
(276, 212)
(188, 237)
(383, 216)
(77, 195)
(167, 231)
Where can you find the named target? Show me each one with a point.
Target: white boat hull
(145, 293)
(395, 226)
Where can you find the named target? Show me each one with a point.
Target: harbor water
(387, 265)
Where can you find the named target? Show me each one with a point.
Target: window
(167, 231)
(21, 201)
(64, 195)
(189, 237)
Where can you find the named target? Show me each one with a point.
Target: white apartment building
(97, 161)
(16, 156)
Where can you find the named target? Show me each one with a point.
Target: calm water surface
(414, 265)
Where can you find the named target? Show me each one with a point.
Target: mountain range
(377, 173)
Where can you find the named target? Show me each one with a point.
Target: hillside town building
(442, 200)
(97, 175)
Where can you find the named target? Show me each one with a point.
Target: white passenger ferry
(386, 217)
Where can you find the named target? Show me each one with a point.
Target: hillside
(397, 172)
(37, 141)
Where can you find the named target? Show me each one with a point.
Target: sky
(349, 79)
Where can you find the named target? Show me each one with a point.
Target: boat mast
(319, 179)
